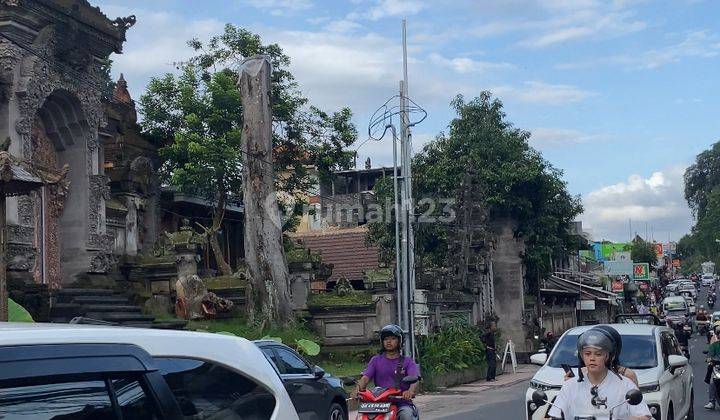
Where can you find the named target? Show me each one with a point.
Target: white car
(708, 280)
(210, 375)
(651, 351)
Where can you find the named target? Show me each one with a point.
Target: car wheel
(670, 415)
(336, 412)
(691, 411)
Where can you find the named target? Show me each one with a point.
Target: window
(293, 364)
(46, 398)
(270, 355)
(134, 402)
(638, 352)
(207, 390)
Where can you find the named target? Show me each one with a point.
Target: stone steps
(120, 317)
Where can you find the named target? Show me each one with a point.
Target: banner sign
(618, 268)
(659, 250)
(641, 271)
(617, 285)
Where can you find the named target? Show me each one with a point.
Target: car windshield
(638, 352)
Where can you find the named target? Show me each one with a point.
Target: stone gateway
(54, 90)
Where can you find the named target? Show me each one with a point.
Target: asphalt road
(508, 403)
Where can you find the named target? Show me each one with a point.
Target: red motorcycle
(381, 403)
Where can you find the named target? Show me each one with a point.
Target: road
(501, 403)
(508, 403)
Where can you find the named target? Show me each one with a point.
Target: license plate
(374, 408)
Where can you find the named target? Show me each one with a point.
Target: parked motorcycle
(633, 397)
(381, 403)
(711, 303)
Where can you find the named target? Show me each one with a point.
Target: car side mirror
(634, 397)
(538, 359)
(705, 352)
(539, 397)
(410, 379)
(676, 361)
(318, 372)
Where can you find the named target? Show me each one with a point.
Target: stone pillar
(186, 265)
(508, 272)
(131, 226)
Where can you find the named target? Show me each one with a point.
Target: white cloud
(342, 26)
(281, 7)
(544, 23)
(657, 200)
(536, 92)
(468, 65)
(391, 8)
(696, 44)
(155, 43)
(544, 137)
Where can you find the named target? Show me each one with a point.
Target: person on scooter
(713, 354)
(387, 369)
(603, 388)
(615, 364)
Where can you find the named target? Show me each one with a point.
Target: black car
(315, 393)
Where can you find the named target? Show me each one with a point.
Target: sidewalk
(434, 403)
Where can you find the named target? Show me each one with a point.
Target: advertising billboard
(641, 271)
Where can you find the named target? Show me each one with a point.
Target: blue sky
(620, 95)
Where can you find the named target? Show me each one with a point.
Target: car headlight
(542, 386)
(651, 387)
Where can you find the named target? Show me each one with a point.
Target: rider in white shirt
(602, 389)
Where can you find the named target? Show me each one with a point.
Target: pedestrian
(490, 351)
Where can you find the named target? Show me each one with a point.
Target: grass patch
(241, 328)
(341, 369)
(331, 299)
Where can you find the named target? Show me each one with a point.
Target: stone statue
(368, 165)
(343, 287)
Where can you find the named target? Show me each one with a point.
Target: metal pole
(404, 222)
(398, 269)
(3, 273)
(408, 208)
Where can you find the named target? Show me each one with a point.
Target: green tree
(701, 178)
(198, 115)
(482, 148)
(643, 252)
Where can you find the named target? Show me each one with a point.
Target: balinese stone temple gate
(53, 91)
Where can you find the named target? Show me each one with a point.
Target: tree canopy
(482, 148)
(702, 192)
(642, 251)
(197, 115)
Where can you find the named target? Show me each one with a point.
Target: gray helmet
(596, 338)
(392, 330)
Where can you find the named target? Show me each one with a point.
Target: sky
(621, 95)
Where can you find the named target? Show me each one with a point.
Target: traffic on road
(670, 353)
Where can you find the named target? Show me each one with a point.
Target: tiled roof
(344, 248)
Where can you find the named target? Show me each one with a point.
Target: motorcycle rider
(681, 335)
(713, 353)
(549, 341)
(615, 363)
(387, 369)
(602, 389)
